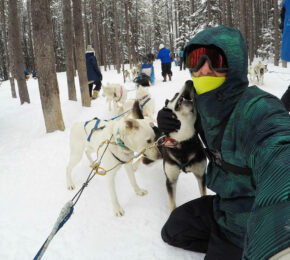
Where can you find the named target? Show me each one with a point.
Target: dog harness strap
(119, 140)
(93, 129)
(121, 94)
(118, 158)
(215, 156)
(146, 101)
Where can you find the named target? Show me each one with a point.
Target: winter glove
(167, 121)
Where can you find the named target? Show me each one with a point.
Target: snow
(33, 184)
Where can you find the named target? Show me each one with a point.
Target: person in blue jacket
(181, 58)
(34, 74)
(164, 56)
(285, 26)
(26, 74)
(93, 72)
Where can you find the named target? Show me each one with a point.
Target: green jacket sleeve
(268, 227)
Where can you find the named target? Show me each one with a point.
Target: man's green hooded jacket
(253, 210)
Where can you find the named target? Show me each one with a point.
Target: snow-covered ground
(33, 184)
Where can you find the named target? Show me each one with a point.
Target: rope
(68, 209)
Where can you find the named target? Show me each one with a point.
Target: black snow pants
(166, 69)
(97, 87)
(192, 227)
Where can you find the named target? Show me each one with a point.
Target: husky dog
(135, 71)
(256, 73)
(183, 150)
(127, 136)
(146, 102)
(116, 94)
(126, 75)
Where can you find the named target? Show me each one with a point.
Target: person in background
(181, 58)
(93, 72)
(164, 56)
(285, 27)
(34, 74)
(26, 74)
(247, 137)
(286, 99)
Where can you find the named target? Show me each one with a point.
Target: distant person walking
(34, 74)
(164, 56)
(26, 74)
(181, 58)
(285, 27)
(93, 72)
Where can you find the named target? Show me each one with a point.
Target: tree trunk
(30, 43)
(45, 64)
(242, 19)
(68, 46)
(251, 30)
(16, 47)
(127, 33)
(116, 42)
(80, 53)
(6, 50)
(95, 40)
(86, 24)
(229, 13)
(276, 34)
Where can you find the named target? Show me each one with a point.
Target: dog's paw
(119, 212)
(71, 186)
(141, 192)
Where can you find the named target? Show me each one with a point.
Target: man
(93, 72)
(247, 133)
(164, 56)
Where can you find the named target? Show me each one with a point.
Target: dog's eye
(149, 141)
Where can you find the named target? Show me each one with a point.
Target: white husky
(127, 136)
(115, 94)
(146, 102)
(256, 73)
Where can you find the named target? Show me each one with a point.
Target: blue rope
(64, 216)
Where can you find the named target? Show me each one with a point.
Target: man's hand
(167, 121)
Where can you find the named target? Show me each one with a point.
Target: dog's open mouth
(186, 98)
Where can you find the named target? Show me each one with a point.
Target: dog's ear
(136, 111)
(132, 124)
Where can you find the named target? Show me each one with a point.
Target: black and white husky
(183, 150)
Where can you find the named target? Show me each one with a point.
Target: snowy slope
(33, 188)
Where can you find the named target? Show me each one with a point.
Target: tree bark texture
(80, 53)
(68, 46)
(45, 65)
(16, 48)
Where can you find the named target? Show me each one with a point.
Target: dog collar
(119, 140)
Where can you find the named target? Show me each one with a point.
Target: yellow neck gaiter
(207, 83)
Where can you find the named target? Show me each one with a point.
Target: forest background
(51, 36)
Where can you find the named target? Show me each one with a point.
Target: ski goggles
(196, 58)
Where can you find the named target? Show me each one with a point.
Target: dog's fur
(187, 153)
(256, 73)
(115, 94)
(126, 75)
(136, 134)
(142, 94)
(135, 71)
